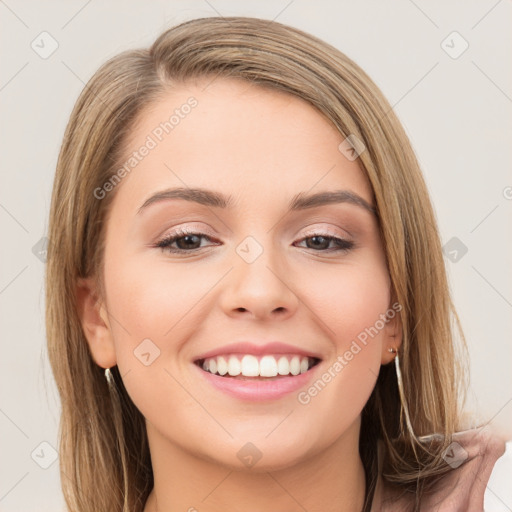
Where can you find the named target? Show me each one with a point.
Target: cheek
(148, 306)
(153, 301)
(349, 300)
(155, 309)
(351, 307)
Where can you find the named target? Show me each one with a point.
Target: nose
(262, 288)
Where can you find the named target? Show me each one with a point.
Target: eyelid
(191, 229)
(311, 229)
(186, 229)
(327, 231)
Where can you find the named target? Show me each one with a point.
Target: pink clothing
(472, 456)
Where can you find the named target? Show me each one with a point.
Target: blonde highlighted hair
(104, 456)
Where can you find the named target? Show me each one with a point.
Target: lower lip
(259, 390)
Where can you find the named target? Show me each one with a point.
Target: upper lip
(246, 347)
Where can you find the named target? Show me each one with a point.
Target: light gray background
(456, 112)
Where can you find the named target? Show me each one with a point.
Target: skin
(262, 147)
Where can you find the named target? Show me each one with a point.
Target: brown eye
(321, 243)
(185, 242)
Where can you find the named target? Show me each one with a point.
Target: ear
(392, 331)
(95, 323)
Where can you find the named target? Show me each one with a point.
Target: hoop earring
(110, 379)
(117, 419)
(115, 398)
(404, 411)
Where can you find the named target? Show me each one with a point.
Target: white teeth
(283, 366)
(222, 366)
(268, 366)
(295, 365)
(250, 366)
(253, 366)
(234, 366)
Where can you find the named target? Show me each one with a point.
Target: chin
(262, 455)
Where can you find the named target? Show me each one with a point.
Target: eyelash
(165, 243)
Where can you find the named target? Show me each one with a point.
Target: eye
(190, 241)
(186, 241)
(321, 242)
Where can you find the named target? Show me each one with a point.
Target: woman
(247, 306)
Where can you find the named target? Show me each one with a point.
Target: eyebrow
(300, 201)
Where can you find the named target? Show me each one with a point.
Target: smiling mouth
(251, 367)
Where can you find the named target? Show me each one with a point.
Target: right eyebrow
(196, 195)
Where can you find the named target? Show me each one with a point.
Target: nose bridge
(258, 282)
(259, 258)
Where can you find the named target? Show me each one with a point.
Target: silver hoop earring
(404, 411)
(110, 378)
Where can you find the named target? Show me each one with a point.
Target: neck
(331, 480)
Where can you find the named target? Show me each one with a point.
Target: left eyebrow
(300, 201)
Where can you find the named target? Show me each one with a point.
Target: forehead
(251, 142)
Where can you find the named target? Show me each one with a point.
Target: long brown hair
(104, 456)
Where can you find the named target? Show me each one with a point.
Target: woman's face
(254, 271)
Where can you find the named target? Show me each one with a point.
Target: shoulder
(498, 495)
(472, 456)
